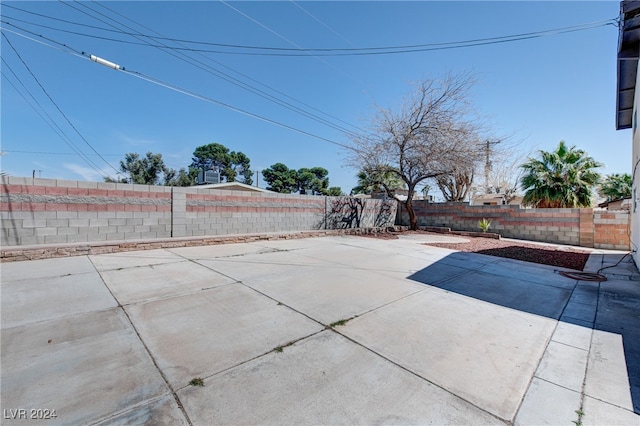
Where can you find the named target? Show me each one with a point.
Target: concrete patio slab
(573, 335)
(563, 365)
(482, 352)
(144, 283)
(329, 294)
(325, 379)
(526, 296)
(598, 413)
(607, 378)
(221, 250)
(548, 404)
(526, 271)
(394, 265)
(208, 331)
(85, 367)
(131, 259)
(437, 336)
(471, 261)
(162, 411)
(29, 300)
(397, 264)
(45, 268)
(437, 273)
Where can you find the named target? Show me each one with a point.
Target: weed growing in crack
(197, 381)
(337, 323)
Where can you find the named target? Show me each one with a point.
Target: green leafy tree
(182, 177)
(334, 191)
(313, 181)
(240, 165)
(280, 178)
(148, 170)
(231, 165)
(616, 186)
(563, 178)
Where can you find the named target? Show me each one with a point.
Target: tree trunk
(413, 220)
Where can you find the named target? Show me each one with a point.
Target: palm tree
(369, 182)
(561, 178)
(616, 186)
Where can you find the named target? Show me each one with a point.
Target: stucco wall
(49, 211)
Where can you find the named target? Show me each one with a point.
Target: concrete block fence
(578, 227)
(49, 211)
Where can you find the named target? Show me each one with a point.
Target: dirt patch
(564, 257)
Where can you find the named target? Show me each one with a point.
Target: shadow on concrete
(611, 306)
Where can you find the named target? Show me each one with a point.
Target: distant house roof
(628, 49)
(496, 198)
(232, 186)
(619, 204)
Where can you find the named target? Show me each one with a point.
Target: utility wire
(258, 91)
(215, 101)
(15, 151)
(354, 51)
(224, 76)
(305, 52)
(230, 107)
(55, 104)
(248, 77)
(321, 22)
(48, 119)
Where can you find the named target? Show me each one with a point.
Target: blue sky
(536, 92)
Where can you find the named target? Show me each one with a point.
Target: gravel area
(561, 256)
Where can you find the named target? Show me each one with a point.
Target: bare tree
(455, 186)
(427, 137)
(505, 171)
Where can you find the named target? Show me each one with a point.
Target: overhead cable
(217, 102)
(47, 118)
(56, 105)
(333, 51)
(175, 52)
(269, 97)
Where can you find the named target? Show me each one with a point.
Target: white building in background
(627, 104)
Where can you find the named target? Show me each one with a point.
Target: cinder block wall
(199, 212)
(612, 229)
(43, 211)
(578, 227)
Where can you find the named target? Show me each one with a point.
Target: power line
(293, 44)
(50, 122)
(321, 22)
(226, 77)
(330, 51)
(228, 106)
(55, 104)
(14, 151)
(217, 102)
(258, 91)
